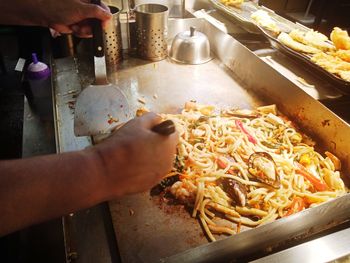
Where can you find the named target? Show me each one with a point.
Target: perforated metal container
(151, 31)
(113, 39)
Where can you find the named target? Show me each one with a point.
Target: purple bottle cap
(37, 70)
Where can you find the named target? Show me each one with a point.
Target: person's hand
(64, 16)
(134, 159)
(71, 16)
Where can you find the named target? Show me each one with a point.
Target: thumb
(61, 28)
(95, 11)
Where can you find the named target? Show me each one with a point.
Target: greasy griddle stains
(326, 123)
(334, 145)
(300, 115)
(167, 203)
(173, 207)
(71, 104)
(111, 119)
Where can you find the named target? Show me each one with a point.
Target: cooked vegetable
(239, 124)
(296, 206)
(317, 183)
(249, 114)
(223, 164)
(334, 159)
(179, 163)
(305, 160)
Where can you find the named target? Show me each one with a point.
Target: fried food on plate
(263, 19)
(234, 3)
(312, 38)
(333, 65)
(340, 38)
(342, 54)
(287, 40)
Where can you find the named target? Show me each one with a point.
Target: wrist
(109, 164)
(96, 180)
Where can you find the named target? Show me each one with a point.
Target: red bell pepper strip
(317, 183)
(222, 164)
(296, 206)
(239, 124)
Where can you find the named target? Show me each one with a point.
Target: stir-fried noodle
(247, 167)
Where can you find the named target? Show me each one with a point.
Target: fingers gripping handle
(96, 25)
(164, 128)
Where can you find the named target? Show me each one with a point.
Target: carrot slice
(317, 183)
(296, 206)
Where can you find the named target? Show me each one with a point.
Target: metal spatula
(101, 106)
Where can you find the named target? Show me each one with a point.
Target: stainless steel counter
(328, 248)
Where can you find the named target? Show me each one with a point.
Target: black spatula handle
(164, 128)
(97, 40)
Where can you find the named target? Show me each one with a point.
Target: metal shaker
(113, 39)
(151, 31)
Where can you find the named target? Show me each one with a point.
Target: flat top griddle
(148, 229)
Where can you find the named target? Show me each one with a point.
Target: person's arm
(64, 16)
(36, 189)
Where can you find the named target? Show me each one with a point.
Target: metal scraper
(101, 106)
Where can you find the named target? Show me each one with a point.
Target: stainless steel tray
(148, 230)
(242, 15)
(239, 15)
(341, 85)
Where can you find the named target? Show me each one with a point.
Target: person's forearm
(36, 189)
(40, 188)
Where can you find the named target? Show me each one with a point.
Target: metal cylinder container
(151, 31)
(113, 39)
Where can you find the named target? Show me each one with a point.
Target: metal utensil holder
(113, 39)
(151, 31)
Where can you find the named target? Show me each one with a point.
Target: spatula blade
(98, 109)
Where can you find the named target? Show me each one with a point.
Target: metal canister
(113, 39)
(151, 31)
